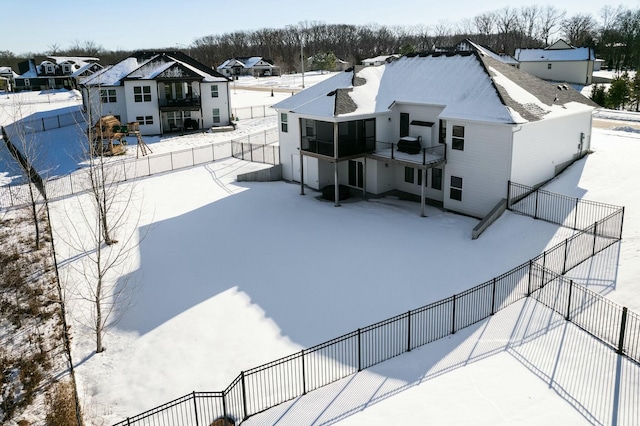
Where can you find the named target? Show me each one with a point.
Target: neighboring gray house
(450, 128)
(55, 72)
(255, 66)
(559, 62)
(164, 91)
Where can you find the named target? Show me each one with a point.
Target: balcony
(346, 148)
(428, 157)
(193, 103)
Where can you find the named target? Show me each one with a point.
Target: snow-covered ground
(232, 275)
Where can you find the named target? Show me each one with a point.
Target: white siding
(483, 166)
(143, 109)
(541, 148)
(99, 109)
(209, 103)
(579, 72)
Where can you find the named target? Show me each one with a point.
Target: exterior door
(404, 124)
(356, 174)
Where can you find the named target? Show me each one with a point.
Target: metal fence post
(621, 223)
(529, 283)
(595, 235)
(359, 350)
(509, 195)
(575, 218)
(244, 396)
(568, 316)
(409, 331)
(224, 405)
(544, 267)
(128, 422)
(195, 407)
(623, 326)
(304, 379)
(564, 262)
(453, 315)
(171, 156)
(251, 152)
(535, 214)
(493, 298)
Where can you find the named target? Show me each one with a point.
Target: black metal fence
(266, 386)
(256, 153)
(560, 209)
(124, 170)
(43, 123)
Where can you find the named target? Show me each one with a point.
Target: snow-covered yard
(232, 275)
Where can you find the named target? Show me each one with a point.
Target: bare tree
(550, 20)
(580, 29)
(28, 155)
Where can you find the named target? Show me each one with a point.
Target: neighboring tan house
(559, 62)
(379, 60)
(163, 91)
(56, 72)
(450, 128)
(7, 77)
(255, 66)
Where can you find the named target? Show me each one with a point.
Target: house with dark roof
(255, 66)
(55, 72)
(559, 62)
(451, 129)
(164, 91)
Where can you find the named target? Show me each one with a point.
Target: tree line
(614, 34)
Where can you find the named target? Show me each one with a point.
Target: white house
(559, 62)
(452, 129)
(255, 66)
(163, 91)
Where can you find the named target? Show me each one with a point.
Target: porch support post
(301, 173)
(364, 178)
(335, 165)
(301, 159)
(422, 191)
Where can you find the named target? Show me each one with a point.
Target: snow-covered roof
(380, 59)
(546, 55)
(75, 59)
(468, 44)
(148, 66)
(246, 63)
(467, 85)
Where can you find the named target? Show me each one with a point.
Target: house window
(108, 95)
(283, 122)
(442, 136)
(409, 175)
(548, 66)
(147, 119)
(216, 116)
(455, 191)
(436, 179)
(142, 93)
(457, 138)
(419, 182)
(214, 91)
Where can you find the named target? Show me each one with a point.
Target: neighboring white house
(477, 122)
(163, 91)
(255, 66)
(379, 60)
(559, 62)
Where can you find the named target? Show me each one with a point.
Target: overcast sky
(36, 25)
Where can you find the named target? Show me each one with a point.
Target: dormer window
(49, 68)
